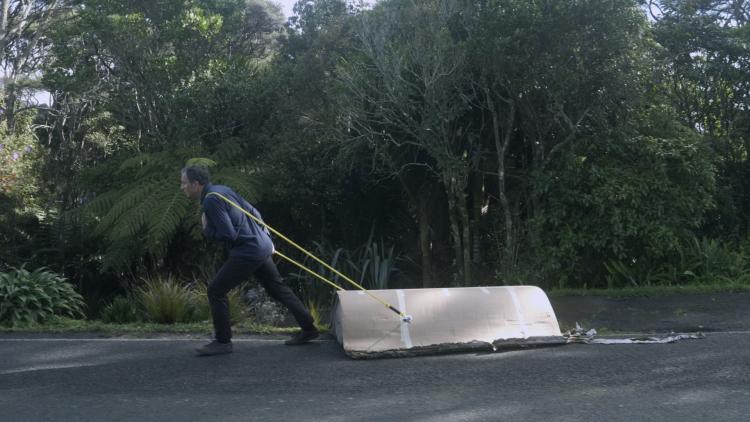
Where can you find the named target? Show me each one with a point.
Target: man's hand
(204, 221)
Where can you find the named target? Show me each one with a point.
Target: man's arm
(218, 225)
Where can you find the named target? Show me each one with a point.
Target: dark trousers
(236, 270)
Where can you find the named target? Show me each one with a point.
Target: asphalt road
(160, 380)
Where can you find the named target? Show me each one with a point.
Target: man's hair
(197, 174)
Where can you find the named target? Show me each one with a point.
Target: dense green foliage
(166, 301)
(628, 199)
(28, 297)
(559, 143)
(121, 310)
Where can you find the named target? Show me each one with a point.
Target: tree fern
(169, 215)
(99, 204)
(103, 175)
(138, 208)
(241, 180)
(134, 220)
(200, 161)
(132, 196)
(231, 152)
(122, 253)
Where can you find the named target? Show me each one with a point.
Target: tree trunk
(425, 244)
(477, 201)
(454, 222)
(501, 146)
(465, 237)
(420, 201)
(10, 108)
(459, 222)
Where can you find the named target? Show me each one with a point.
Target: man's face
(192, 189)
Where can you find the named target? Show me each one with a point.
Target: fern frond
(131, 199)
(135, 162)
(120, 253)
(241, 181)
(137, 218)
(201, 161)
(102, 174)
(160, 163)
(169, 213)
(149, 164)
(101, 204)
(229, 153)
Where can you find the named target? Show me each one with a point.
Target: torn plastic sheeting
(580, 335)
(648, 340)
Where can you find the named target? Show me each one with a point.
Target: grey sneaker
(214, 348)
(302, 337)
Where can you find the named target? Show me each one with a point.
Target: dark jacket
(241, 234)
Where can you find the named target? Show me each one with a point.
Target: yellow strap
(259, 221)
(323, 279)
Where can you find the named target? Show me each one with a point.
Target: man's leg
(269, 277)
(230, 275)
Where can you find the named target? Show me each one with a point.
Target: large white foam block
(443, 319)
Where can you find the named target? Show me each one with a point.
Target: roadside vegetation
(587, 147)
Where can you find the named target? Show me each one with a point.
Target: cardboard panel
(443, 318)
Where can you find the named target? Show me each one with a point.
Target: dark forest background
(575, 143)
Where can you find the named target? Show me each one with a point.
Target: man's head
(192, 181)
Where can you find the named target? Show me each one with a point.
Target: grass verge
(67, 325)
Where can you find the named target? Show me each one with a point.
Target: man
(250, 249)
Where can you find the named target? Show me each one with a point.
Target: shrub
(36, 297)
(694, 261)
(121, 310)
(164, 301)
(713, 259)
(631, 274)
(624, 197)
